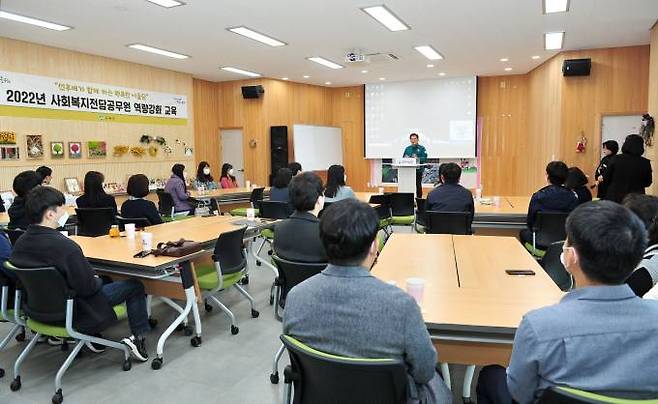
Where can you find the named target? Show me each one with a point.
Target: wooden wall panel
(652, 106)
(206, 125)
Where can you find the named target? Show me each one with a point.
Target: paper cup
(416, 287)
(478, 193)
(496, 201)
(251, 214)
(247, 184)
(130, 230)
(147, 241)
(380, 190)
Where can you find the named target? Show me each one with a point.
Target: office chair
(140, 222)
(421, 215)
(402, 208)
(272, 210)
(568, 395)
(94, 222)
(548, 228)
(7, 315)
(383, 209)
(290, 274)
(448, 222)
(554, 268)
(254, 200)
(229, 266)
(48, 309)
(322, 378)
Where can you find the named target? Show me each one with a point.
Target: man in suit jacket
(346, 311)
(43, 246)
(298, 237)
(450, 196)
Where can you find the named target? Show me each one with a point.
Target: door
(232, 152)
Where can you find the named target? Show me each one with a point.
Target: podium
(407, 176)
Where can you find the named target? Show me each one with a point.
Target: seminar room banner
(26, 95)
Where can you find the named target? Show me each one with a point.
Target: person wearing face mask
(23, 183)
(43, 246)
(600, 335)
(359, 306)
(227, 179)
(203, 177)
(336, 189)
(176, 186)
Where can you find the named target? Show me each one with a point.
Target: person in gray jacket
(346, 311)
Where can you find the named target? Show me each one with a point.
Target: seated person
(577, 182)
(46, 174)
(600, 337)
(43, 246)
(176, 187)
(5, 253)
(23, 183)
(336, 189)
(346, 311)
(295, 168)
(306, 197)
(645, 276)
(203, 177)
(136, 206)
(94, 195)
(227, 179)
(552, 198)
(450, 196)
(279, 191)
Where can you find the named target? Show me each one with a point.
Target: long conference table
(472, 308)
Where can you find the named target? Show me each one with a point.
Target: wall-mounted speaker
(278, 149)
(576, 67)
(252, 91)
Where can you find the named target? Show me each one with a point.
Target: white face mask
(206, 171)
(230, 172)
(562, 261)
(63, 219)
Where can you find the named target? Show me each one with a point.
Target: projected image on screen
(441, 111)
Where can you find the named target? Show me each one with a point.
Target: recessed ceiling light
(307, 77)
(553, 40)
(504, 59)
(327, 83)
(325, 62)
(536, 57)
(386, 17)
(430, 65)
(33, 21)
(555, 6)
(364, 71)
(429, 52)
(157, 51)
(256, 36)
(442, 74)
(240, 71)
(167, 3)
(508, 69)
(382, 78)
(284, 78)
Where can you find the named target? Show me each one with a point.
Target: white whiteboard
(317, 147)
(440, 111)
(617, 127)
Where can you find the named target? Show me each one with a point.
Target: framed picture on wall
(72, 185)
(34, 146)
(75, 150)
(97, 149)
(9, 153)
(57, 150)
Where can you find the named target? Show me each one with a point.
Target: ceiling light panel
(553, 40)
(157, 51)
(240, 71)
(325, 62)
(555, 6)
(33, 21)
(256, 36)
(429, 52)
(167, 3)
(386, 17)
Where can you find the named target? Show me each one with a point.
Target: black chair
(165, 203)
(554, 268)
(402, 208)
(7, 313)
(14, 235)
(48, 303)
(320, 378)
(140, 222)
(448, 222)
(256, 196)
(275, 210)
(548, 228)
(421, 214)
(94, 222)
(381, 199)
(290, 274)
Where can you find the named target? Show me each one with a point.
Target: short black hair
(304, 191)
(282, 178)
(41, 199)
(634, 145)
(557, 172)
(347, 230)
(575, 178)
(646, 208)
(609, 239)
(25, 181)
(451, 172)
(295, 167)
(414, 134)
(44, 171)
(611, 145)
(138, 186)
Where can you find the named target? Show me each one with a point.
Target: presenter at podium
(418, 152)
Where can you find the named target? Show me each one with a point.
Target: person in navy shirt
(450, 196)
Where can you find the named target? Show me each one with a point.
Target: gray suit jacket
(346, 311)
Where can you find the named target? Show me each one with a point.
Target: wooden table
(471, 306)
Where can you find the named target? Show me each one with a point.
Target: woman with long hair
(178, 189)
(94, 195)
(628, 172)
(203, 177)
(227, 179)
(577, 182)
(336, 189)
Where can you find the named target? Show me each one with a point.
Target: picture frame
(34, 146)
(97, 149)
(57, 150)
(75, 150)
(72, 185)
(9, 152)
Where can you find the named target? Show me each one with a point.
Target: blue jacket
(551, 198)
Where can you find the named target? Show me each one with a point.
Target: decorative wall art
(57, 150)
(75, 150)
(34, 146)
(97, 149)
(9, 153)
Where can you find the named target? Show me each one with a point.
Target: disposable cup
(496, 201)
(147, 241)
(251, 214)
(380, 190)
(130, 230)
